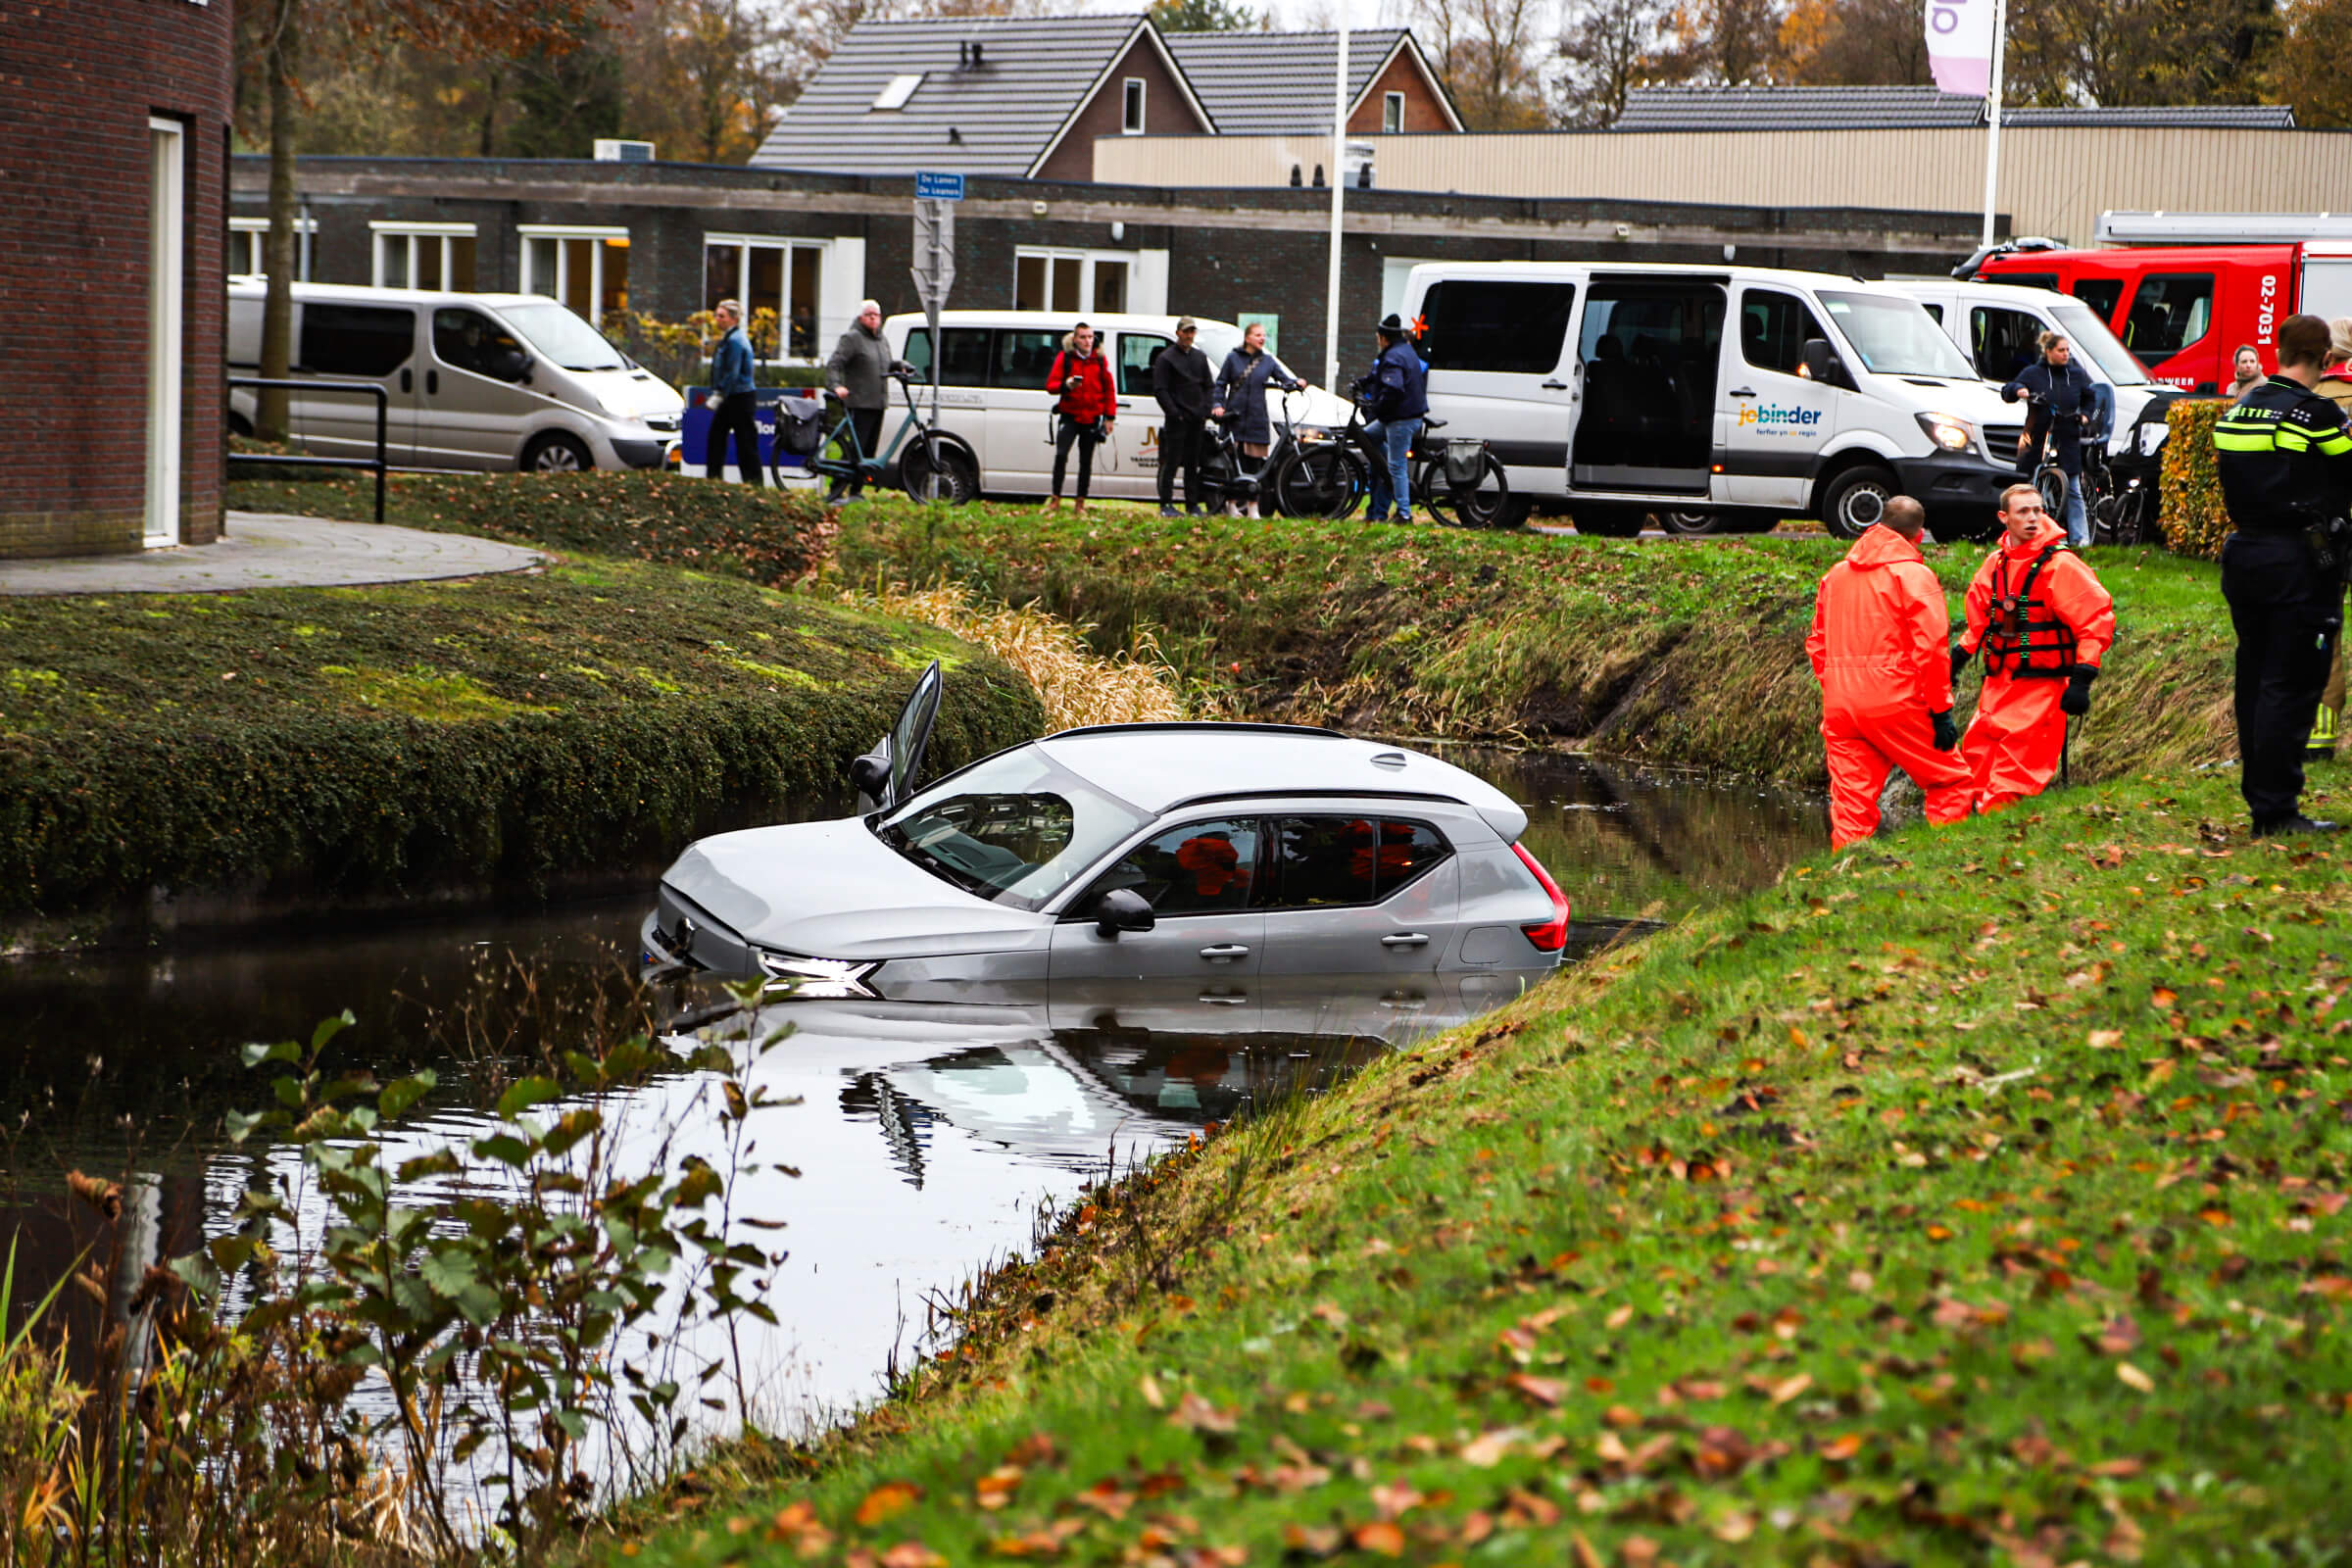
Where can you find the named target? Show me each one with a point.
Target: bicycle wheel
(1322, 481)
(934, 471)
(2050, 480)
(1480, 503)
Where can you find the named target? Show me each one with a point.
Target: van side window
(966, 362)
(1515, 329)
(2002, 342)
(469, 340)
(2169, 312)
(2101, 294)
(1773, 328)
(1137, 352)
(365, 340)
(1934, 313)
(1022, 358)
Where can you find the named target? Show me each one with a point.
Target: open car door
(885, 775)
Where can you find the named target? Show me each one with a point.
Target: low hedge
(766, 535)
(312, 748)
(2194, 520)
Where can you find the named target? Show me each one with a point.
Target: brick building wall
(1167, 112)
(1230, 252)
(77, 84)
(1422, 111)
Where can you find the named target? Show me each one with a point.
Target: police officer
(2284, 458)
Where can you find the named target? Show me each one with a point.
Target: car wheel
(1856, 499)
(557, 453)
(1608, 522)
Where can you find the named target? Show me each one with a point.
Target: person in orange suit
(2044, 622)
(1879, 649)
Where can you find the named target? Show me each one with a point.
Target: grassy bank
(1672, 651)
(1975, 1197)
(319, 747)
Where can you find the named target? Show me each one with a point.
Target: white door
(1020, 413)
(475, 404)
(1780, 420)
(1134, 444)
(167, 241)
(1200, 880)
(1500, 367)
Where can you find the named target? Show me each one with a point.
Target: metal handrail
(383, 403)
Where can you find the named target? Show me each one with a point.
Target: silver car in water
(1196, 859)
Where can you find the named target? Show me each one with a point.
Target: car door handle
(1223, 999)
(1406, 938)
(1555, 386)
(1228, 949)
(432, 383)
(1743, 392)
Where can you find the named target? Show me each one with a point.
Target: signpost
(934, 268)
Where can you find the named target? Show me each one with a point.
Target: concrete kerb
(268, 550)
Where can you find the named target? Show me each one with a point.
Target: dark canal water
(927, 1137)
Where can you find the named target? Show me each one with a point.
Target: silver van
(475, 380)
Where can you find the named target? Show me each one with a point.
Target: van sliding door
(1648, 352)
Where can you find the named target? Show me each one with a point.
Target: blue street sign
(936, 188)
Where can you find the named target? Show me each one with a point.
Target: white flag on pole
(1960, 45)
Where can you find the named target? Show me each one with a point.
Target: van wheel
(1691, 522)
(556, 453)
(1856, 499)
(1608, 522)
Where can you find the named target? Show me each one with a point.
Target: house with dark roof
(1275, 83)
(1023, 97)
(1905, 108)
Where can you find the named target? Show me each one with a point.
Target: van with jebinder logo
(1720, 399)
(472, 381)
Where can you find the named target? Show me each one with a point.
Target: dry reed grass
(1078, 686)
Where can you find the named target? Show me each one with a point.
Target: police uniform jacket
(2284, 458)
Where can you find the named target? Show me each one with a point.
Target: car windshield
(1895, 336)
(2091, 337)
(1015, 829)
(562, 338)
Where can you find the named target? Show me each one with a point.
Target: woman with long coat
(1241, 393)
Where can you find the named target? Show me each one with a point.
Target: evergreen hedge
(2194, 520)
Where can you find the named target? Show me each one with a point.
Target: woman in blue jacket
(1241, 394)
(2066, 400)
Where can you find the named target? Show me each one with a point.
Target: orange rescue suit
(1879, 649)
(2066, 618)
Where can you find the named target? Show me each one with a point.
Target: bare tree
(1853, 42)
(1725, 41)
(1606, 48)
(1484, 52)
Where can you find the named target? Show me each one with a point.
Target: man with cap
(1181, 382)
(1395, 395)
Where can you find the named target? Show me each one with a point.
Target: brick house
(1279, 83)
(113, 149)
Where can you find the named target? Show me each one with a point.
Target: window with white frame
(785, 276)
(1392, 111)
(1131, 107)
(422, 255)
(1071, 282)
(249, 239)
(586, 268)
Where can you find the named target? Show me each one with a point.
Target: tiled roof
(1278, 83)
(998, 118)
(1893, 108)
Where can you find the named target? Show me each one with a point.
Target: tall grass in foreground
(1078, 686)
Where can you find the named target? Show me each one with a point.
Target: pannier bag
(800, 427)
(1465, 463)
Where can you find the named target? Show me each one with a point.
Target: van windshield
(1895, 336)
(562, 338)
(2091, 337)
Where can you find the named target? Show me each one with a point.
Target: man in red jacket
(2044, 622)
(1086, 403)
(1877, 647)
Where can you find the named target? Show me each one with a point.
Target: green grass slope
(1978, 1196)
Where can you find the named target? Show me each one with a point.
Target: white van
(1720, 398)
(992, 391)
(1998, 325)
(475, 380)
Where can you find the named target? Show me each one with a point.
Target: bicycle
(1461, 477)
(2129, 513)
(937, 467)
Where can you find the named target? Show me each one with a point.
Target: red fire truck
(2194, 286)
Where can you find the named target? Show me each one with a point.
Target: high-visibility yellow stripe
(2230, 441)
(2335, 445)
(2290, 439)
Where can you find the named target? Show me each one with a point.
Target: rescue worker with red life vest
(1877, 646)
(2043, 623)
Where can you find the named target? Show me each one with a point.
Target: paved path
(264, 550)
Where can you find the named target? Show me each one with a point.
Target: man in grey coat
(858, 373)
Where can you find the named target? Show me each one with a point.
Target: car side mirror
(1822, 363)
(1122, 909)
(871, 775)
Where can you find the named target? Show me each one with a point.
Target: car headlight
(818, 977)
(1948, 431)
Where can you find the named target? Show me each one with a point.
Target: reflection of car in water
(1177, 859)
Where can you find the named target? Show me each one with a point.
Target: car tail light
(1551, 935)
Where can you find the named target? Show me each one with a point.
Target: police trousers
(2287, 617)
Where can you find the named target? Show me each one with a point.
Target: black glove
(2077, 700)
(1960, 658)
(1947, 733)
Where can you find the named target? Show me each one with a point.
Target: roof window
(900, 88)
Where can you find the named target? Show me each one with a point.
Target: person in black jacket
(1395, 394)
(1181, 381)
(2064, 399)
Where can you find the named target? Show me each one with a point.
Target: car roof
(253, 283)
(1058, 321)
(1157, 767)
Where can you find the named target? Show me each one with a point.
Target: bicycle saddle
(1428, 424)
